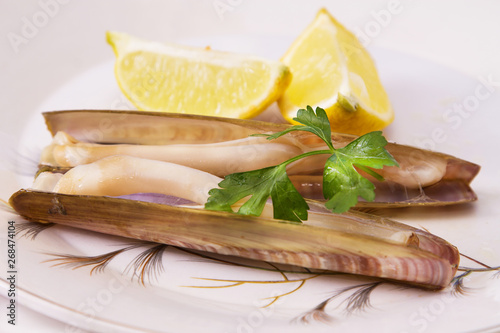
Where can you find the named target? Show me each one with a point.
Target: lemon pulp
(172, 78)
(331, 69)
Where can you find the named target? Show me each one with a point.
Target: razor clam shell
(141, 127)
(151, 128)
(427, 260)
(392, 195)
(387, 194)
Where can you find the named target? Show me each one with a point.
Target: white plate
(422, 94)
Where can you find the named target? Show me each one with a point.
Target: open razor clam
(97, 156)
(222, 146)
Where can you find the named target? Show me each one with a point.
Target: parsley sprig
(342, 184)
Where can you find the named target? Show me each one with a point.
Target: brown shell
(425, 260)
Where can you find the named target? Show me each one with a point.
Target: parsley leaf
(342, 184)
(288, 204)
(316, 123)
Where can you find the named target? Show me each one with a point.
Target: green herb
(342, 184)
(316, 123)
(288, 204)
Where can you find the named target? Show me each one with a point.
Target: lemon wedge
(332, 70)
(165, 77)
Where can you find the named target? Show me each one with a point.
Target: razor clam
(424, 177)
(126, 175)
(351, 243)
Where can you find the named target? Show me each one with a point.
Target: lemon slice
(165, 77)
(332, 70)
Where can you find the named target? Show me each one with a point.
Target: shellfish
(222, 146)
(99, 155)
